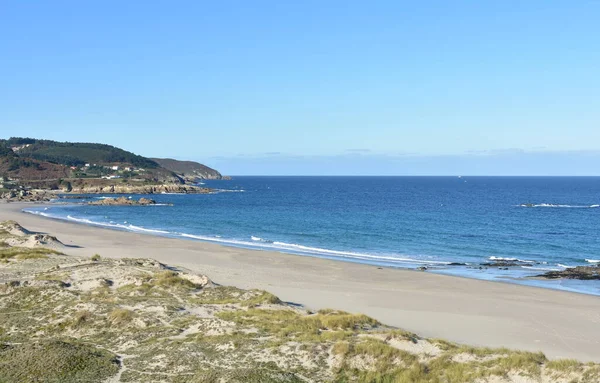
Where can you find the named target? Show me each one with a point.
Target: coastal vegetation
(138, 320)
(75, 153)
(29, 163)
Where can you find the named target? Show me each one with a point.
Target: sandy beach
(481, 313)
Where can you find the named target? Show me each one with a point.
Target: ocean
(450, 225)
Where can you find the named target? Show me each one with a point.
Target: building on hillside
(116, 167)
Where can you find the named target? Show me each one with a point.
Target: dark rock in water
(122, 201)
(584, 273)
(504, 264)
(457, 264)
(422, 268)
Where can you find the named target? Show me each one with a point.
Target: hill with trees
(52, 164)
(76, 153)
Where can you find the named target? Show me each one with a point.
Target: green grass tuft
(56, 361)
(26, 253)
(121, 316)
(171, 279)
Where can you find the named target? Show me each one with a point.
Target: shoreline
(465, 310)
(521, 274)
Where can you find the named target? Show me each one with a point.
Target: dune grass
(171, 329)
(55, 361)
(26, 253)
(121, 316)
(171, 279)
(287, 324)
(230, 295)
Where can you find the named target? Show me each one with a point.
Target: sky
(312, 87)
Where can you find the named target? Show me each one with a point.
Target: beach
(469, 311)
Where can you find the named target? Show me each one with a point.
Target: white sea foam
(539, 268)
(317, 250)
(96, 223)
(111, 224)
(564, 266)
(553, 205)
(593, 260)
(230, 190)
(283, 246)
(138, 228)
(37, 212)
(493, 258)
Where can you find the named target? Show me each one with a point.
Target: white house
(115, 167)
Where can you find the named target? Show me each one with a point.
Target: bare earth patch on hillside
(71, 319)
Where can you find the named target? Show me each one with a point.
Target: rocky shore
(141, 189)
(579, 272)
(123, 201)
(23, 195)
(584, 273)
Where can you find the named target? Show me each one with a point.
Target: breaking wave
(493, 258)
(255, 243)
(559, 205)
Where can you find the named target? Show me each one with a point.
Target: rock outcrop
(123, 201)
(142, 189)
(23, 195)
(585, 273)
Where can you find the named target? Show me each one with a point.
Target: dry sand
(474, 312)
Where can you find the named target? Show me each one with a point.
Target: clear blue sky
(309, 87)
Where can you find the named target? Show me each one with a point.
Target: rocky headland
(190, 171)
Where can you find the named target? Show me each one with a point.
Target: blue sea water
(547, 223)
